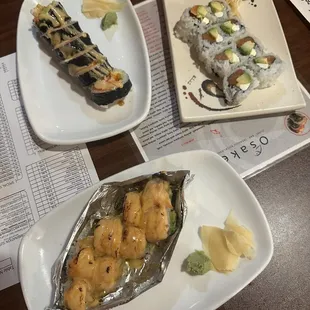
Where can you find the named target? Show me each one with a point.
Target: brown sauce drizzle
(196, 101)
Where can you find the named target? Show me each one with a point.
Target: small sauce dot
(120, 102)
(186, 98)
(184, 93)
(184, 87)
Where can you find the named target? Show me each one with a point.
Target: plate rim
(264, 262)
(239, 115)
(104, 135)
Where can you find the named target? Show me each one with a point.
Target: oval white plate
(215, 190)
(56, 105)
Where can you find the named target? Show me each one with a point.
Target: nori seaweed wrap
(75, 50)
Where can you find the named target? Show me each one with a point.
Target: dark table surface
(283, 190)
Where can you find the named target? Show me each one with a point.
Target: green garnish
(109, 20)
(197, 263)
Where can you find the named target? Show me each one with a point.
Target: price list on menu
(32, 143)
(35, 177)
(16, 215)
(9, 165)
(57, 178)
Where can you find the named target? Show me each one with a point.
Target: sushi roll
(83, 60)
(267, 69)
(133, 243)
(190, 22)
(224, 60)
(232, 27)
(208, 41)
(220, 10)
(296, 122)
(238, 84)
(249, 46)
(156, 210)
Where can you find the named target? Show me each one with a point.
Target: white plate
(56, 107)
(263, 22)
(215, 190)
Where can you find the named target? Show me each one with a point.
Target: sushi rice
(220, 66)
(206, 48)
(234, 94)
(267, 76)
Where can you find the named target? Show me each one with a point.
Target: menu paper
(248, 145)
(35, 177)
(303, 7)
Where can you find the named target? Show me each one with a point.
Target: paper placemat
(248, 145)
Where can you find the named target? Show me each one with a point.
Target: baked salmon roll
(157, 210)
(82, 265)
(133, 244)
(107, 273)
(132, 209)
(78, 295)
(108, 236)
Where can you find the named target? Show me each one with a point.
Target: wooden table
(283, 191)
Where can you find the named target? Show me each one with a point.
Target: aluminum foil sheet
(108, 201)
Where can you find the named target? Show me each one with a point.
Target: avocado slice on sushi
(241, 79)
(232, 57)
(247, 46)
(265, 61)
(228, 54)
(212, 35)
(216, 7)
(199, 11)
(230, 26)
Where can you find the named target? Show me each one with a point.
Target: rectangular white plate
(215, 190)
(56, 107)
(263, 22)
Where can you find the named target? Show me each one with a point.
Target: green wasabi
(108, 20)
(197, 263)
